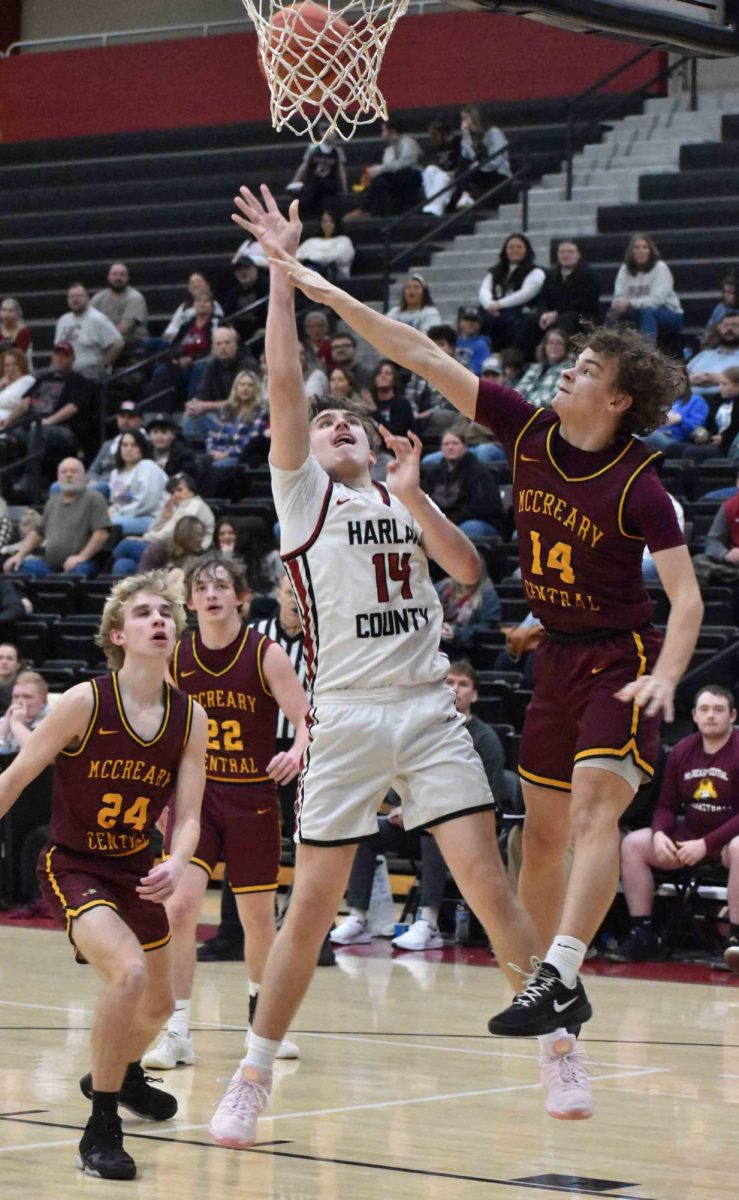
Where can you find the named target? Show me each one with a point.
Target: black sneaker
(641, 945)
(101, 1150)
(326, 956)
(219, 949)
(545, 1004)
(137, 1096)
(731, 954)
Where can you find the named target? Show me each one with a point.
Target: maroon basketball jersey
(242, 712)
(110, 791)
(702, 790)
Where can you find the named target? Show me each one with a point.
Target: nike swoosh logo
(262, 811)
(558, 1008)
(186, 674)
(525, 458)
(347, 501)
(597, 670)
(105, 732)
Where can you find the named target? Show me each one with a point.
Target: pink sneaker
(564, 1075)
(234, 1123)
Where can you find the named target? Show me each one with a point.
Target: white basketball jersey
(370, 612)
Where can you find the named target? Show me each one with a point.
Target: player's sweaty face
(213, 595)
(339, 443)
(588, 387)
(148, 622)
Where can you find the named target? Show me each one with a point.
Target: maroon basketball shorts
(239, 824)
(72, 883)
(574, 715)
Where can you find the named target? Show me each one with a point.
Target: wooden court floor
(399, 1093)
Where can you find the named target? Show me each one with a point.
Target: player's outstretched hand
(264, 221)
(313, 285)
(284, 767)
(161, 881)
(404, 474)
(652, 693)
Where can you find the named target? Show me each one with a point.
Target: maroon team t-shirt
(583, 517)
(702, 790)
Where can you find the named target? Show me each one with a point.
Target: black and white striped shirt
(293, 647)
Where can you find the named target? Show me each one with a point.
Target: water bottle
(461, 923)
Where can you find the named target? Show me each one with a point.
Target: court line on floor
(265, 1148)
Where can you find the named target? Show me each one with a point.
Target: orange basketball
(304, 42)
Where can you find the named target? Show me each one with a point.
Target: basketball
(303, 44)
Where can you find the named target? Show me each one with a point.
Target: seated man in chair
(696, 820)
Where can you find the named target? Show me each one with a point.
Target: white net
(322, 61)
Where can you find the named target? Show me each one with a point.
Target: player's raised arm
(392, 339)
(65, 724)
(287, 401)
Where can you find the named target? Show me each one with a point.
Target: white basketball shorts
(362, 744)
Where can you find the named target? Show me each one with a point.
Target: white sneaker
(171, 1050)
(234, 1123)
(422, 935)
(352, 931)
(465, 201)
(564, 1075)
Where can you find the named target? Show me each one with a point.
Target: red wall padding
(444, 58)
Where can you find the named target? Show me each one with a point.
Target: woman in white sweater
(331, 254)
(15, 380)
(644, 292)
(508, 291)
(137, 484)
(416, 307)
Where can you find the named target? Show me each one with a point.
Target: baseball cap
(492, 364)
(64, 348)
(469, 313)
(127, 406)
(161, 421)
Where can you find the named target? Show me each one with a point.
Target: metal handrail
(577, 132)
(522, 176)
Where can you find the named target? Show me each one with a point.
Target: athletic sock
(104, 1103)
(261, 1053)
(179, 1022)
(429, 914)
(556, 1042)
(567, 954)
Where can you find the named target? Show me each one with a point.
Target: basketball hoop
(321, 62)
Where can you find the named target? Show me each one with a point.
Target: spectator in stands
(332, 253)
(424, 933)
(11, 664)
(416, 307)
(726, 419)
(509, 290)
(128, 417)
(63, 398)
(386, 404)
(344, 354)
(250, 286)
(123, 306)
(169, 450)
(74, 529)
(696, 820)
(316, 340)
(184, 543)
(225, 538)
(720, 561)
(484, 147)
(15, 380)
(136, 484)
(472, 348)
(342, 385)
(215, 383)
(513, 363)
(569, 297)
(644, 291)
(729, 302)
(257, 550)
(431, 410)
(688, 413)
(191, 346)
(97, 343)
(13, 331)
(540, 383)
(315, 379)
(394, 183)
(28, 706)
(707, 365)
(465, 490)
(197, 285)
(12, 606)
(244, 417)
(321, 177)
(443, 156)
(468, 611)
(182, 500)
(649, 571)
